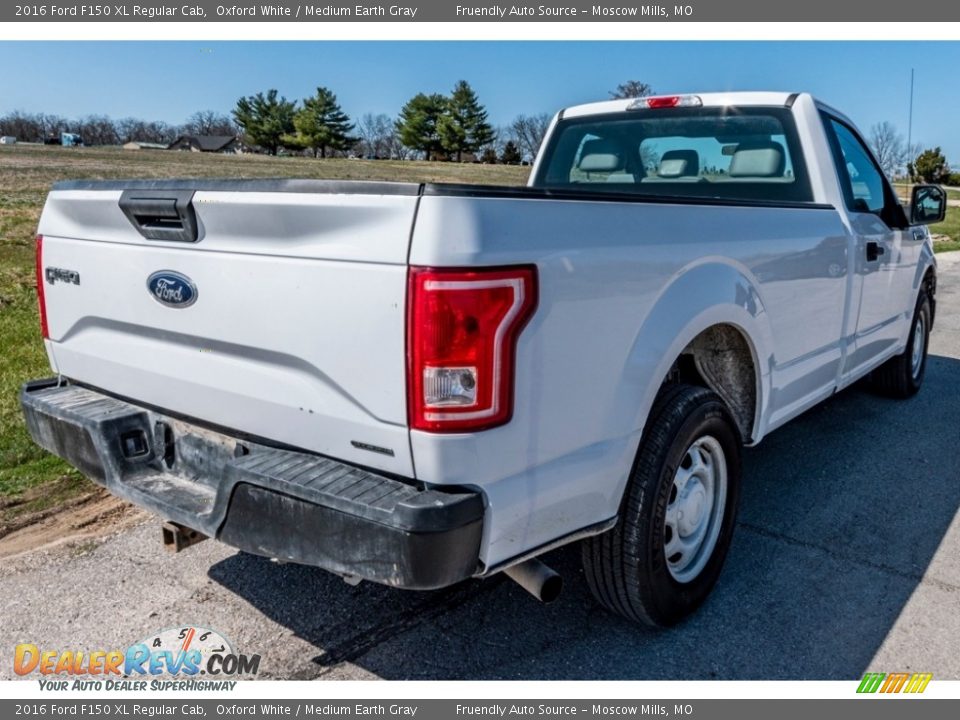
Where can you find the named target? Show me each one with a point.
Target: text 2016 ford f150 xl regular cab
(419, 384)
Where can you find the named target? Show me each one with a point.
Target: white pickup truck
(418, 384)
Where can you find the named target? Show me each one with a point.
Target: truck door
(884, 251)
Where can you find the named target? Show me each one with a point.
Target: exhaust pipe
(537, 579)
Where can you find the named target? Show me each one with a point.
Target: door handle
(919, 235)
(874, 250)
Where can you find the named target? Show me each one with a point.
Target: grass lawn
(31, 479)
(949, 227)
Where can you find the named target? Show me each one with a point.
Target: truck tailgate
(296, 333)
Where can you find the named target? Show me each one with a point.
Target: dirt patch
(87, 517)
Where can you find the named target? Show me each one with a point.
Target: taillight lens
(462, 330)
(41, 299)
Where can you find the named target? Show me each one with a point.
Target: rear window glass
(747, 154)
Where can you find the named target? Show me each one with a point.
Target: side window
(864, 183)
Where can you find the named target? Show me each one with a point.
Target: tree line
(429, 126)
(103, 130)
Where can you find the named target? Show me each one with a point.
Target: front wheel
(902, 376)
(660, 561)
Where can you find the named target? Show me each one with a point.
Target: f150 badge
(172, 289)
(55, 275)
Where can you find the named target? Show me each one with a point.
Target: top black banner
(446, 11)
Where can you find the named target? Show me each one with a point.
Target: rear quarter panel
(624, 286)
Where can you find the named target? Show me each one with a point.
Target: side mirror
(928, 204)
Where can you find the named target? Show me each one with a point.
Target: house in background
(8, 140)
(207, 143)
(137, 145)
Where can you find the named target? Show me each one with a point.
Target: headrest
(679, 163)
(758, 159)
(601, 156)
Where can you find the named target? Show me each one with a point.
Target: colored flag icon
(894, 682)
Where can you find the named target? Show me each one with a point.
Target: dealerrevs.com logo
(172, 659)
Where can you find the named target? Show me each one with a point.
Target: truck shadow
(842, 512)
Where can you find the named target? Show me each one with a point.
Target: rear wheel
(660, 561)
(902, 376)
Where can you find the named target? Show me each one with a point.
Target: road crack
(920, 578)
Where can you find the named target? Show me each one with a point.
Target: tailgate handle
(161, 214)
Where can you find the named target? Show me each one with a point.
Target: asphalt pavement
(846, 559)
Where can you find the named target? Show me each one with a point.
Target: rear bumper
(278, 503)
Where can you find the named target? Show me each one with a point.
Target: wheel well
(720, 358)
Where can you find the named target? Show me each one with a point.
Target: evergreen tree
(265, 119)
(930, 166)
(511, 154)
(418, 123)
(464, 127)
(321, 124)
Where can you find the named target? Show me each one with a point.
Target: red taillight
(462, 330)
(665, 101)
(40, 296)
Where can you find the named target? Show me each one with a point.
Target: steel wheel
(661, 559)
(656, 566)
(902, 375)
(695, 509)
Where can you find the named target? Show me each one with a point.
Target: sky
(867, 80)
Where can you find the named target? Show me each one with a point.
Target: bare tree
(28, 127)
(131, 130)
(97, 130)
(152, 131)
(889, 148)
(209, 122)
(399, 151)
(377, 135)
(631, 89)
(527, 132)
(51, 125)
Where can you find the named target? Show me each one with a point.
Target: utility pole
(910, 121)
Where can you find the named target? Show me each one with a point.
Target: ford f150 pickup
(416, 384)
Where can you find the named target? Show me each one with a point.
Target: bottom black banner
(874, 708)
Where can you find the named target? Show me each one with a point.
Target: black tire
(900, 377)
(626, 567)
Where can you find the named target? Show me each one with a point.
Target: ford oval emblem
(172, 289)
